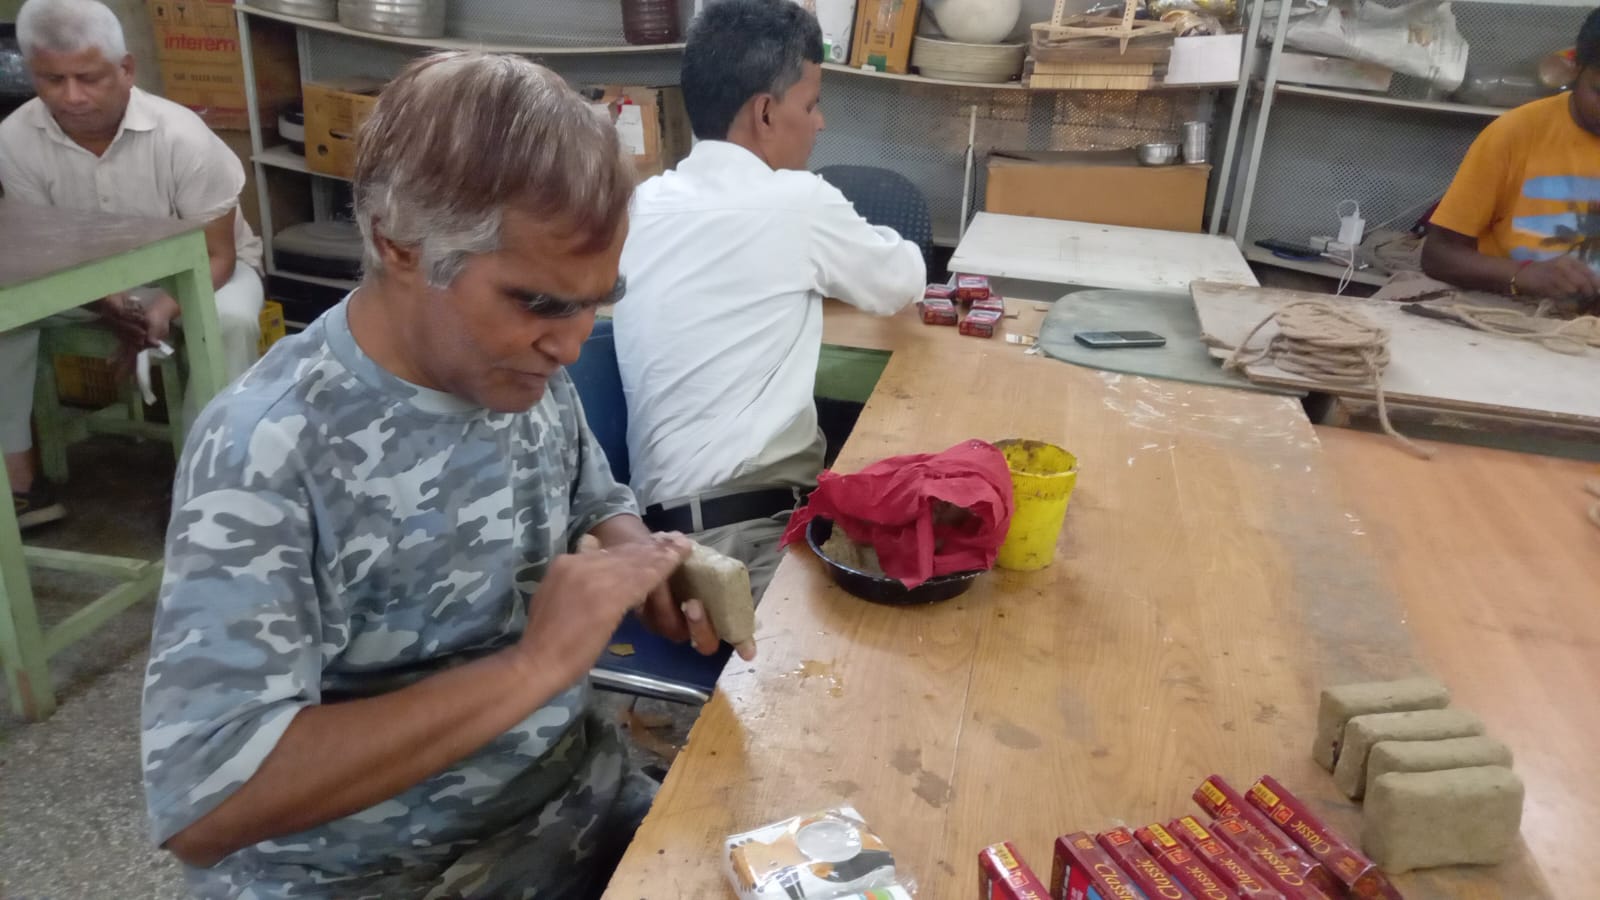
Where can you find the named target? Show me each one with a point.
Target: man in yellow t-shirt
(1522, 216)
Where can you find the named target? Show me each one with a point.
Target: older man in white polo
(92, 141)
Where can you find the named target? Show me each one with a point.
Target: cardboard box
(1002, 875)
(1280, 872)
(1083, 870)
(1108, 188)
(1217, 797)
(335, 112)
(883, 34)
(1231, 868)
(652, 124)
(197, 49)
(1355, 871)
(1147, 874)
(1189, 869)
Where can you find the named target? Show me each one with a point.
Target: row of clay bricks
(1439, 792)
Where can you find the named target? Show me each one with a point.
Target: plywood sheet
(1432, 364)
(36, 241)
(1102, 256)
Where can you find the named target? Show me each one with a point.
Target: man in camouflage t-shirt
(366, 677)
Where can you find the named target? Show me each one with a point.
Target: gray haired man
(366, 677)
(93, 142)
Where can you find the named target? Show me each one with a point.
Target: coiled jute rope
(1327, 343)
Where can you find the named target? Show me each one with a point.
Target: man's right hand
(584, 596)
(1563, 278)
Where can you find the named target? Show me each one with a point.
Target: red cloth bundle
(894, 505)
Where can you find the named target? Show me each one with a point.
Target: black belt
(728, 509)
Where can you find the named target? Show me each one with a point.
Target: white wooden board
(1101, 256)
(1432, 364)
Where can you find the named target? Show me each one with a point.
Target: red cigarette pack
(938, 312)
(1083, 871)
(971, 287)
(939, 291)
(1217, 797)
(1358, 873)
(994, 302)
(1002, 875)
(1183, 865)
(1141, 866)
(1232, 868)
(981, 323)
(1259, 852)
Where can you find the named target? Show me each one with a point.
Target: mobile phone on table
(1117, 340)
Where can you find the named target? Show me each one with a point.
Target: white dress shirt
(718, 337)
(163, 163)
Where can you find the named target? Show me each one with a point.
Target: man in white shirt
(728, 260)
(93, 141)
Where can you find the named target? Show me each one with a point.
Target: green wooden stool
(60, 426)
(57, 260)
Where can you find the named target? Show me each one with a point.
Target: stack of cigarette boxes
(1261, 845)
(939, 305)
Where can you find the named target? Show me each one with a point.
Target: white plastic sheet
(1419, 39)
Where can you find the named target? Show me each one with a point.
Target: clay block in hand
(1362, 733)
(722, 584)
(1434, 756)
(1341, 704)
(1419, 820)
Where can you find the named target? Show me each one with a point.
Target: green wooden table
(52, 260)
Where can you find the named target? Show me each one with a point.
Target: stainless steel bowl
(1160, 154)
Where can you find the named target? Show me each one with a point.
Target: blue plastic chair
(658, 668)
(887, 198)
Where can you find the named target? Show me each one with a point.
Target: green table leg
(192, 289)
(22, 647)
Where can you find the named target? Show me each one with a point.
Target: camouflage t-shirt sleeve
(237, 637)
(596, 495)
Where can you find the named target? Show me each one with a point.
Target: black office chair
(656, 667)
(885, 197)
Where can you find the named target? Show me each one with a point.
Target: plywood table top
(1209, 583)
(43, 240)
(1433, 364)
(1498, 570)
(1099, 256)
(845, 326)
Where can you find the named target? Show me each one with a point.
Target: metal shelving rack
(1304, 149)
(914, 125)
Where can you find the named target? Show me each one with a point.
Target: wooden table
(55, 260)
(1209, 583)
(1499, 571)
(1097, 256)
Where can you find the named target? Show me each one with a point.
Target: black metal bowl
(877, 589)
